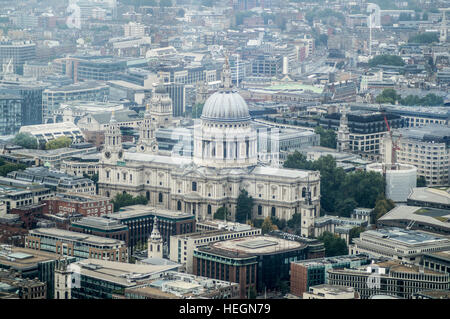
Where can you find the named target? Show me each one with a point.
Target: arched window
(209, 209)
(273, 211)
(147, 195)
(131, 177)
(304, 192)
(107, 174)
(57, 295)
(179, 205)
(66, 295)
(157, 247)
(194, 186)
(107, 194)
(259, 210)
(315, 191)
(160, 197)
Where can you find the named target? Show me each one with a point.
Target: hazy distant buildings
(16, 53)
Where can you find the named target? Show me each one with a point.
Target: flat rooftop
(23, 258)
(124, 274)
(403, 236)
(331, 260)
(258, 245)
(143, 210)
(74, 236)
(433, 216)
(426, 194)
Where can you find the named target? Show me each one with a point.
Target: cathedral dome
(225, 106)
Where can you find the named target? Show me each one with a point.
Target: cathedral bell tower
(309, 212)
(155, 242)
(161, 106)
(113, 151)
(147, 139)
(62, 278)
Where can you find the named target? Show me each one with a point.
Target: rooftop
(23, 258)
(406, 237)
(76, 237)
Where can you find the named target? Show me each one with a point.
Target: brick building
(86, 205)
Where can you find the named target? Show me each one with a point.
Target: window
(160, 197)
(194, 186)
(179, 205)
(259, 210)
(209, 209)
(273, 211)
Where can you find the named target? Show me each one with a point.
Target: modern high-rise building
(10, 114)
(85, 91)
(16, 53)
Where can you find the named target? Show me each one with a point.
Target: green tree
(295, 222)
(421, 181)
(244, 207)
(334, 245)
(394, 60)
(267, 225)
(382, 206)
(59, 142)
(345, 207)
(388, 96)
(26, 140)
(123, 200)
(10, 167)
(221, 213)
(355, 231)
(424, 38)
(327, 137)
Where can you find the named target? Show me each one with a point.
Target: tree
(10, 167)
(59, 142)
(424, 38)
(354, 232)
(388, 96)
(382, 206)
(421, 181)
(334, 245)
(123, 200)
(295, 222)
(345, 207)
(394, 60)
(26, 140)
(244, 207)
(267, 225)
(327, 137)
(222, 213)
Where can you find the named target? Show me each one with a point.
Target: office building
(429, 197)
(183, 246)
(392, 278)
(54, 180)
(31, 264)
(427, 148)
(24, 288)
(10, 114)
(16, 53)
(330, 292)
(407, 246)
(86, 205)
(78, 245)
(85, 91)
(133, 29)
(429, 219)
(139, 219)
(313, 272)
(256, 263)
(101, 227)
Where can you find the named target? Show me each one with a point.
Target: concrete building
(183, 246)
(331, 292)
(31, 264)
(429, 219)
(54, 180)
(256, 263)
(392, 278)
(78, 245)
(175, 285)
(27, 288)
(101, 227)
(427, 148)
(133, 29)
(407, 246)
(429, 197)
(312, 272)
(10, 114)
(16, 53)
(340, 226)
(139, 219)
(53, 97)
(47, 132)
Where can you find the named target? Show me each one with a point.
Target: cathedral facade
(224, 162)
